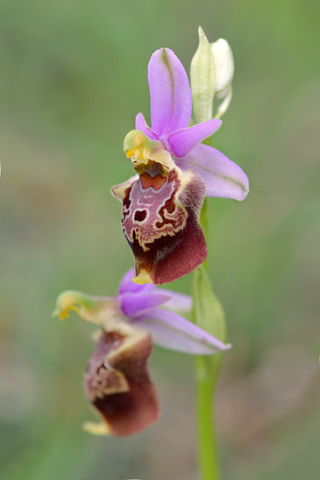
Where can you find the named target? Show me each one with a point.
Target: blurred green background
(73, 77)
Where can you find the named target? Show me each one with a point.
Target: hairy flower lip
(160, 220)
(117, 383)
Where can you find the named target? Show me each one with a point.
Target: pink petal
(170, 94)
(222, 177)
(133, 304)
(170, 330)
(178, 301)
(142, 125)
(183, 141)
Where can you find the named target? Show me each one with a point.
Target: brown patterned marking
(140, 215)
(165, 213)
(169, 207)
(107, 381)
(103, 379)
(126, 202)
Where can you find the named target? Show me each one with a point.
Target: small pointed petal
(183, 141)
(117, 383)
(178, 301)
(142, 125)
(222, 177)
(170, 93)
(133, 304)
(170, 330)
(142, 277)
(96, 428)
(128, 286)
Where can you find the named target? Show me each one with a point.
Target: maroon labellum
(160, 220)
(117, 383)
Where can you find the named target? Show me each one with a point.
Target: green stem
(207, 370)
(207, 441)
(204, 217)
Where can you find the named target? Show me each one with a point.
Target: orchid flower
(175, 171)
(116, 380)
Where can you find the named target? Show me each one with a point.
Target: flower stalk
(205, 418)
(214, 64)
(208, 313)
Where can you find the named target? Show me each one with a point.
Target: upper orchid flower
(161, 205)
(116, 380)
(171, 108)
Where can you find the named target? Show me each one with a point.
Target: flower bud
(212, 71)
(224, 66)
(203, 80)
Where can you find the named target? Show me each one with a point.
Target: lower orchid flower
(116, 380)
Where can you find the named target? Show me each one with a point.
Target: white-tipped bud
(224, 66)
